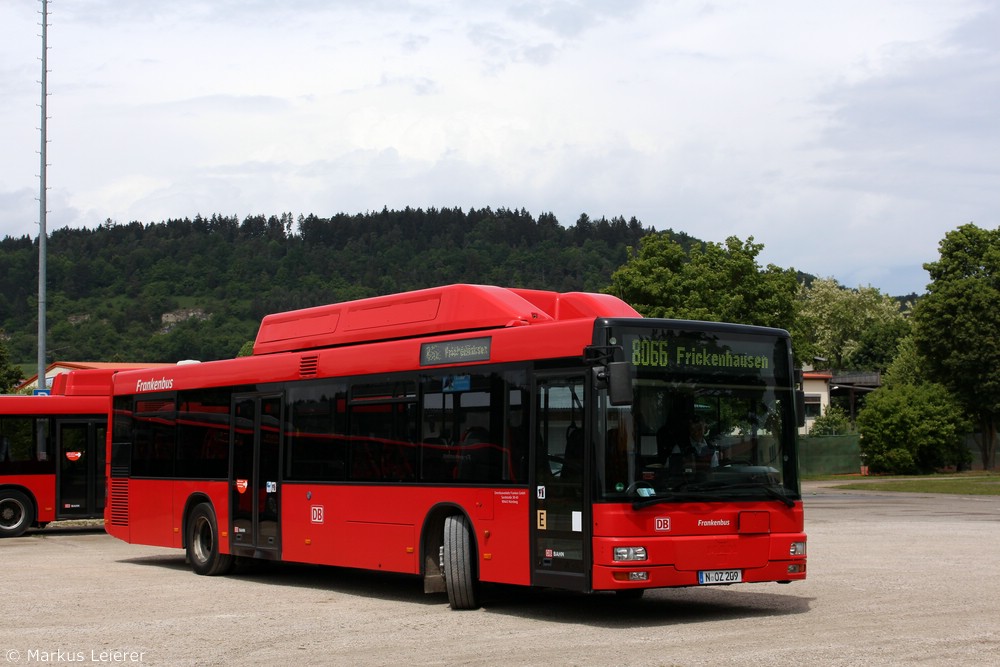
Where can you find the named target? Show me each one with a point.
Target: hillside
(197, 288)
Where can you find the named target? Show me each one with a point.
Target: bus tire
(460, 564)
(17, 513)
(202, 546)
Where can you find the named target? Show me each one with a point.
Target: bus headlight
(797, 549)
(630, 553)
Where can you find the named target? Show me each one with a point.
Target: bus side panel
(216, 493)
(151, 511)
(379, 528)
(505, 554)
(40, 487)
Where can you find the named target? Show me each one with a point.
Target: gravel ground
(894, 579)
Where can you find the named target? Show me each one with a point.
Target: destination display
(455, 351)
(704, 352)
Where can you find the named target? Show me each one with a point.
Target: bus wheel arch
(201, 540)
(193, 500)
(17, 511)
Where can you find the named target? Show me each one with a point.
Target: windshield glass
(712, 417)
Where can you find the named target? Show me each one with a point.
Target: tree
(10, 375)
(957, 326)
(714, 282)
(907, 366)
(912, 428)
(854, 329)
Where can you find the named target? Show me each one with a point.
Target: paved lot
(894, 580)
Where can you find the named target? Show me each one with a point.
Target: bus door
(80, 469)
(255, 457)
(559, 500)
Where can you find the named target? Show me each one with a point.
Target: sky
(846, 137)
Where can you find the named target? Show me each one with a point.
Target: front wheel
(460, 575)
(17, 513)
(203, 543)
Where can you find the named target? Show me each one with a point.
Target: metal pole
(42, 232)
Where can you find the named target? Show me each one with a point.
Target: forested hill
(197, 289)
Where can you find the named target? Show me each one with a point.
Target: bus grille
(119, 502)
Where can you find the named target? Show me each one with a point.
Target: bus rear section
(52, 451)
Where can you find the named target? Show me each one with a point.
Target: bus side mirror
(617, 378)
(800, 397)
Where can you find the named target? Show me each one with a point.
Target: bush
(911, 428)
(833, 421)
(896, 461)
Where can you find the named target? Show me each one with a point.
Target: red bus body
(52, 452)
(433, 433)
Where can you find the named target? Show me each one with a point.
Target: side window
(317, 440)
(438, 461)
(518, 426)
(560, 430)
(451, 427)
(384, 433)
(473, 427)
(154, 431)
(203, 434)
(121, 436)
(25, 446)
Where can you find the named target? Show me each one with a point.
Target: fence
(829, 454)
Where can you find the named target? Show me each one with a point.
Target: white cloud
(847, 138)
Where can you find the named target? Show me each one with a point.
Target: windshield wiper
(769, 489)
(780, 495)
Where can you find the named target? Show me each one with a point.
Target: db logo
(241, 485)
(661, 524)
(317, 513)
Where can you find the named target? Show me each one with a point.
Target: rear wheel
(17, 513)
(460, 574)
(203, 543)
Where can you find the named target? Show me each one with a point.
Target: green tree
(907, 366)
(957, 326)
(912, 428)
(854, 329)
(10, 375)
(714, 282)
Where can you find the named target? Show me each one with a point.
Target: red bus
(470, 434)
(52, 452)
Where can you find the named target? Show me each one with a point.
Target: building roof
(57, 367)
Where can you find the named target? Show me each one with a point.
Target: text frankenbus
(471, 434)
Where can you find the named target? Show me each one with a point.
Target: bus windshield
(712, 417)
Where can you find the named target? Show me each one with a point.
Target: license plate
(706, 577)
